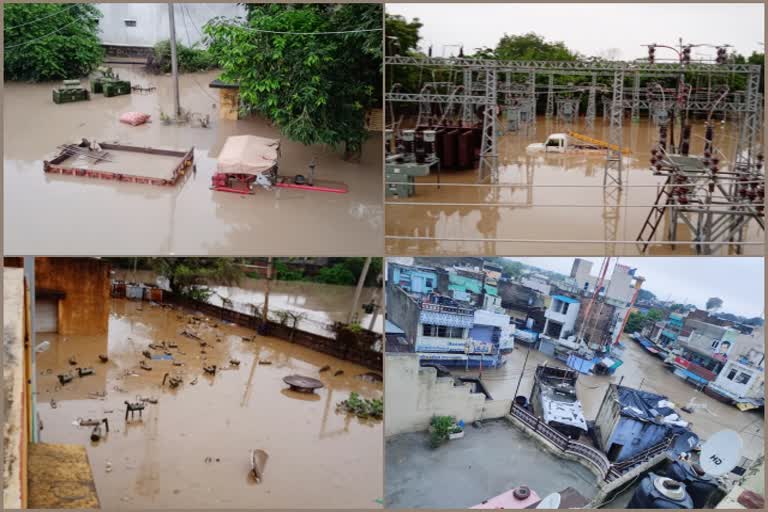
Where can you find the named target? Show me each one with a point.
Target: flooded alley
(187, 218)
(640, 371)
(191, 448)
(545, 198)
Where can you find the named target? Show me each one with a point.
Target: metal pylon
(550, 97)
(489, 156)
(467, 113)
(635, 107)
(613, 160)
(591, 107)
(532, 96)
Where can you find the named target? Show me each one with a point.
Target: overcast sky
(738, 281)
(609, 30)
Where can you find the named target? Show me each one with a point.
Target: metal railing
(608, 471)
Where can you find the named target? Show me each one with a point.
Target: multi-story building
(561, 317)
(413, 279)
(537, 282)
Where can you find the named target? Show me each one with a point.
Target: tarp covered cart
(248, 161)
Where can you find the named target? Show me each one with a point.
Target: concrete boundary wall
(354, 348)
(415, 394)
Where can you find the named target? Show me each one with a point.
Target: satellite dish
(552, 501)
(720, 453)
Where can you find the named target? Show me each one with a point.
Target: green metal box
(116, 88)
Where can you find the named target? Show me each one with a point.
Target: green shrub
(337, 274)
(190, 59)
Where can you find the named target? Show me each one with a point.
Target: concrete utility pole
(265, 312)
(29, 277)
(174, 63)
(359, 290)
(376, 307)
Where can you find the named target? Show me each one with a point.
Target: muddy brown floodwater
(533, 214)
(319, 305)
(52, 214)
(191, 449)
(641, 371)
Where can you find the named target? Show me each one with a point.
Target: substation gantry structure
(487, 85)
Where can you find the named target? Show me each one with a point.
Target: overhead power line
(41, 19)
(43, 37)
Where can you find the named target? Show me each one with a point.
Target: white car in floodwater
(555, 143)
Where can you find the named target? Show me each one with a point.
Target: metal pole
(174, 62)
(359, 289)
(265, 312)
(376, 307)
(521, 373)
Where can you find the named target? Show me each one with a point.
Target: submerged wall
(415, 394)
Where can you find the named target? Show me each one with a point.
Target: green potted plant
(443, 428)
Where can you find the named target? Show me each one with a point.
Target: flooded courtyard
(188, 218)
(191, 448)
(640, 371)
(546, 204)
(316, 305)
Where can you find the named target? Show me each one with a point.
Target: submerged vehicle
(571, 142)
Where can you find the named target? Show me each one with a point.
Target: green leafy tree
(336, 274)
(314, 87)
(714, 303)
(45, 42)
(191, 276)
(654, 315)
(634, 322)
(532, 46)
(402, 35)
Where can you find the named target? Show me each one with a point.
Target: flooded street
(191, 449)
(546, 198)
(319, 304)
(189, 218)
(641, 371)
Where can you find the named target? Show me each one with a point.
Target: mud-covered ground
(52, 214)
(546, 198)
(191, 448)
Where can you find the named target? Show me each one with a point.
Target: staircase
(654, 217)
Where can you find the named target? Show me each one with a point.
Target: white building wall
(414, 394)
(152, 22)
(620, 286)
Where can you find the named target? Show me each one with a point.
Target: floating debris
(178, 363)
(155, 346)
(258, 464)
(362, 407)
(144, 366)
(72, 361)
(147, 354)
(65, 378)
(82, 372)
(234, 362)
(340, 372)
(211, 369)
(370, 377)
(88, 422)
(324, 369)
(194, 381)
(147, 400)
(265, 362)
(172, 344)
(247, 338)
(303, 384)
(133, 407)
(192, 335)
(53, 404)
(173, 381)
(103, 358)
